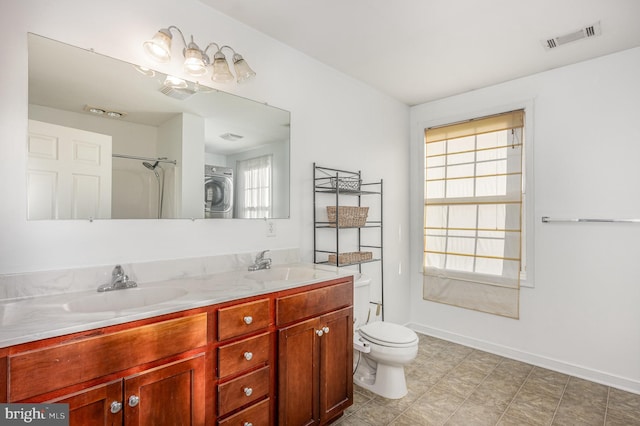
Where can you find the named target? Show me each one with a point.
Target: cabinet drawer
(243, 391)
(244, 318)
(256, 415)
(243, 355)
(44, 370)
(313, 302)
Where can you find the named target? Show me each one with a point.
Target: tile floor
(451, 384)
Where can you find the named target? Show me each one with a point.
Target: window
(473, 213)
(253, 184)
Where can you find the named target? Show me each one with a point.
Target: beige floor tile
(350, 421)
(377, 415)
(457, 386)
(579, 415)
(470, 413)
(585, 392)
(359, 400)
(450, 384)
(507, 420)
(434, 407)
(533, 407)
(546, 381)
(407, 421)
(623, 405)
(621, 420)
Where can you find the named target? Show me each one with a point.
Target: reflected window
(253, 185)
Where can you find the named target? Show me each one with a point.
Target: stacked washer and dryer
(218, 192)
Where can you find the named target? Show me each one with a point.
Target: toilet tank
(361, 296)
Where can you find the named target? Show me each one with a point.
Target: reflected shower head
(150, 166)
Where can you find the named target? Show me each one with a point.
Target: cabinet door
(298, 377)
(93, 407)
(171, 395)
(336, 363)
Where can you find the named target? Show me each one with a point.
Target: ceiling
(422, 50)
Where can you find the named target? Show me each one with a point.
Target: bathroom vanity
(280, 355)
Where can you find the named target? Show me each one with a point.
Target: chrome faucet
(119, 281)
(261, 262)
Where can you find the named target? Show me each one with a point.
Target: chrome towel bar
(547, 219)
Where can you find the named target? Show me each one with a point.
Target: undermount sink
(282, 274)
(119, 300)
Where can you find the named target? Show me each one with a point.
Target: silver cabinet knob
(134, 400)
(248, 319)
(247, 424)
(116, 406)
(325, 329)
(319, 333)
(247, 391)
(248, 356)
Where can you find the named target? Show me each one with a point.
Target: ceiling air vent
(586, 32)
(177, 92)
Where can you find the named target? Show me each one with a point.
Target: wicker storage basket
(346, 184)
(348, 216)
(353, 257)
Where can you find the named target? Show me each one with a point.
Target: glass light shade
(159, 47)
(194, 63)
(243, 71)
(221, 72)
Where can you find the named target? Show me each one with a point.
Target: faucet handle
(117, 271)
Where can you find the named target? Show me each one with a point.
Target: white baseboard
(533, 359)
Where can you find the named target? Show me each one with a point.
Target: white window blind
(253, 187)
(473, 213)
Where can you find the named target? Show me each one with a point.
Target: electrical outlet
(271, 228)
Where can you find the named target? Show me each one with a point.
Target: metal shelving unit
(339, 188)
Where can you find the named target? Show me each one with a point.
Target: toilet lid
(388, 334)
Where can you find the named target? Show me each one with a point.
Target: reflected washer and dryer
(218, 192)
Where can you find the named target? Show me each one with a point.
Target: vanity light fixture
(196, 60)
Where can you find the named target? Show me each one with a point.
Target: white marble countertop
(42, 317)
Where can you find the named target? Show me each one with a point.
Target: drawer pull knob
(248, 356)
(134, 400)
(248, 320)
(247, 424)
(325, 329)
(248, 391)
(116, 407)
(319, 333)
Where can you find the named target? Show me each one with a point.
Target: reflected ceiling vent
(177, 93)
(231, 137)
(103, 112)
(586, 32)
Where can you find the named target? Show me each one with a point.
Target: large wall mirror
(112, 140)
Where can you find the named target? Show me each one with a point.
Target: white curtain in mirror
(254, 187)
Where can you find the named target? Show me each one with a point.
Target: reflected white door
(68, 173)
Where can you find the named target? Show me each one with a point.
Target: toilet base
(386, 380)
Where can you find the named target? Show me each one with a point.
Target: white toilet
(381, 348)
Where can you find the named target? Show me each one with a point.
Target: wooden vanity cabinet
(315, 355)
(149, 374)
(283, 358)
(245, 363)
(169, 395)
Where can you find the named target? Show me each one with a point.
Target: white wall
(335, 120)
(583, 316)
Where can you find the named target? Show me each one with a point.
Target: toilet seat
(389, 334)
